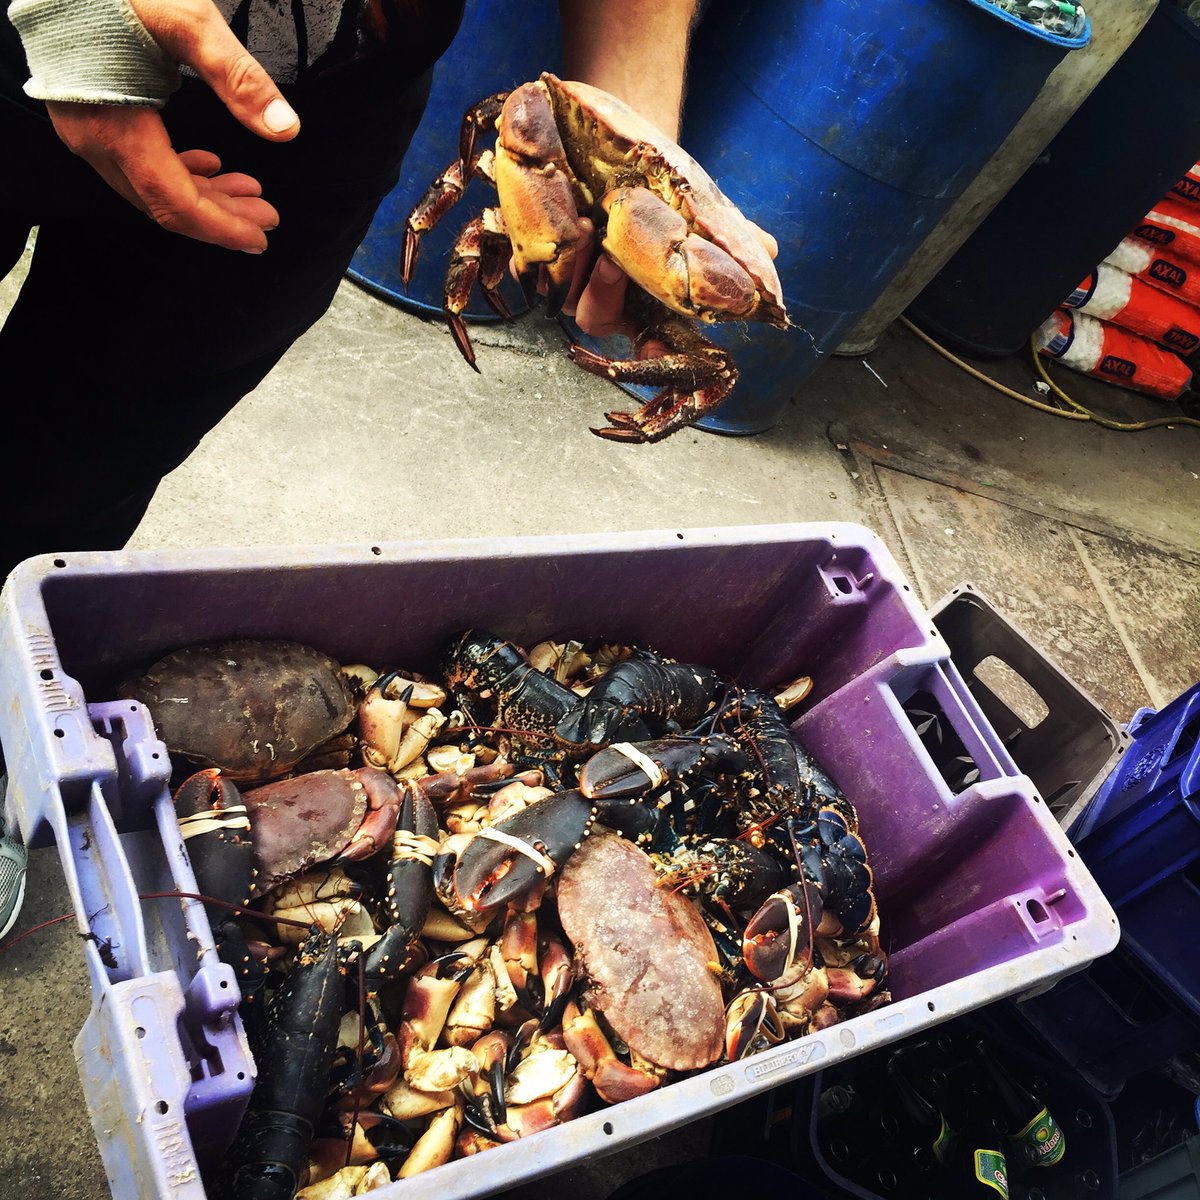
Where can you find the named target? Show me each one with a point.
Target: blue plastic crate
(1140, 838)
(1161, 764)
(1144, 848)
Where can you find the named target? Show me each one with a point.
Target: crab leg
(695, 374)
(482, 116)
(480, 254)
(446, 190)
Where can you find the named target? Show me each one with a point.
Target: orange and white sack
(1187, 191)
(1108, 352)
(1173, 229)
(1158, 268)
(1114, 295)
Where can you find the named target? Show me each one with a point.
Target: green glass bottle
(1038, 1139)
(969, 1165)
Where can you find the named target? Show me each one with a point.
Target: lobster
(294, 1056)
(495, 685)
(504, 860)
(638, 698)
(409, 891)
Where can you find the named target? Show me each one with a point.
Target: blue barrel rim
(1078, 42)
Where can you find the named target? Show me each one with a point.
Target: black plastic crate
(796, 1128)
(1058, 736)
(1174, 1175)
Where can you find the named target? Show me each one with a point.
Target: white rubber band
(208, 822)
(406, 845)
(646, 765)
(506, 839)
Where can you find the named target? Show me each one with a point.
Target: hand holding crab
(567, 150)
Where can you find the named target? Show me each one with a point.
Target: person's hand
(183, 191)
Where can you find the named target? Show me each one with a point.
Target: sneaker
(13, 860)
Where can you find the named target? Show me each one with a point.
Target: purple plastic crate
(980, 894)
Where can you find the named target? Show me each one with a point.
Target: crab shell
(669, 226)
(253, 708)
(314, 818)
(646, 952)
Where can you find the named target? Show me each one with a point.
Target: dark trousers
(127, 343)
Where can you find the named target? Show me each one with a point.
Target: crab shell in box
(253, 708)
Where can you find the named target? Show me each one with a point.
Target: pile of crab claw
(468, 908)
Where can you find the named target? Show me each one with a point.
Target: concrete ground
(372, 428)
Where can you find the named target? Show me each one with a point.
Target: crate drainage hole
(608, 1127)
(1014, 689)
(161, 1106)
(139, 1032)
(1037, 910)
(950, 756)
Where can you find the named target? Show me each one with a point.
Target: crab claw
(613, 1080)
(779, 937)
(847, 985)
(503, 861)
(752, 1023)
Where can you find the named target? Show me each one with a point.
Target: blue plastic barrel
(1122, 150)
(496, 48)
(847, 128)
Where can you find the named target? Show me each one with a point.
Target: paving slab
(1153, 600)
(936, 421)
(1030, 568)
(373, 427)
(46, 1143)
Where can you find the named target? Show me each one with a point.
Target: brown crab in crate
(567, 150)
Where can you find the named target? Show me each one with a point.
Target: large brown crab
(567, 150)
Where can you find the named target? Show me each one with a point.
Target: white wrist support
(92, 52)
